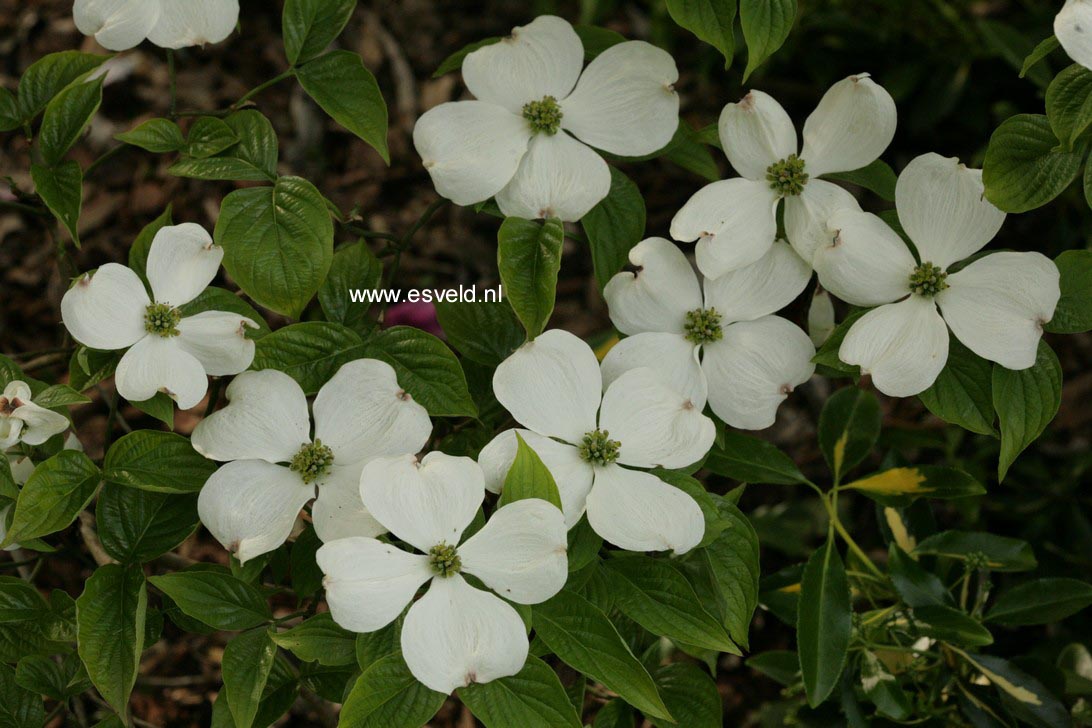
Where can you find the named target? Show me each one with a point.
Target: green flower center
(444, 560)
(787, 177)
(543, 116)
(703, 325)
(598, 448)
(162, 319)
(928, 279)
(312, 461)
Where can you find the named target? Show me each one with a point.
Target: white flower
(167, 352)
(23, 421)
(726, 348)
(518, 140)
(553, 386)
(455, 634)
(735, 220)
(1073, 26)
(251, 503)
(996, 305)
(122, 24)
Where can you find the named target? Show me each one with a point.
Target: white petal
(218, 340)
(457, 635)
(251, 505)
(637, 511)
(657, 296)
(755, 133)
(572, 474)
(423, 503)
(558, 177)
(943, 208)
(998, 304)
(806, 215)
(542, 58)
(338, 511)
(734, 222)
(117, 25)
(672, 357)
(11, 431)
(182, 262)
(368, 583)
(362, 413)
(157, 364)
(767, 285)
(39, 424)
(21, 468)
(657, 426)
(754, 368)
(520, 553)
(266, 419)
(471, 149)
(625, 102)
(105, 309)
(852, 126)
(551, 385)
(184, 23)
(17, 389)
(1072, 25)
(902, 345)
(867, 263)
(820, 317)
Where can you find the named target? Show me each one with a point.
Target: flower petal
(156, 364)
(218, 340)
(657, 426)
(943, 208)
(520, 553)
(182, 262)
(266, 419)
(734, 222)
(755, 133)
(767, 285)
(471, 149)
(806, 216)
(362, 413)
(39, 424)
(637, 511)
(184, 23)
(672, 357)
(456, 635)
(542, 58)
(625, 101)
(852, 126)
(998, 304)
(105, 309)
(423, 503)
(902, 345)
(368, 583)
(657, 296)
(558, 177)
(551, 385)
(572, 475)
(866, 263)
(1071, 25)
(250, 506)
(338, 511)
(752, 370)
(117, 25)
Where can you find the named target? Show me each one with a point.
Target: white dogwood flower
(1073, 27)
(275, 465)
(996, 305)
(23, 421)
(456, 634)
(528, 138)
(735, 220)
(167, 351)
(119, 25)
(553, 386)
(726, 346)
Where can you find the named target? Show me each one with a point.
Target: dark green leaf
(732, 562)
(823, 623)
(898, 487)
(137, 525)
(157, 461)
(19, 708)
(782, 666)
(61, 189)
(1073, 314)
(319, 639)
(138, 251)
(1025, 167)
(1014, 46)
(254, 158)
(45, 78)
(155, 135)
(66, 117)
(849, 426)
(1002, 553)
(58, 680)
(111, 613)
(881, 687)
(215, 597)
(532, 698)
(310, 352)
(766, 25)
(877, 177)
(455, 61)
(354, 267)
(949, 625)
(713, 21)
(1026, 401)
(751, 460)
(614, 226)
(1041, 601)
(373, 646)
(386, 695)
(219, 299)
(528, 477)
(53, 496)
(691, 696)
(309, 26)
(916, 586)
(9, 111)
(209, 135)
(963, 392)
(247, 660)
(485, 332)
(529, 257)
(426, 368)
(1041, 51)
(1024, 695)
(349, 93)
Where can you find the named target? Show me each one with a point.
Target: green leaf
(532, 698)
(278, 242)
(1069, 103)
(963, 392)
(849, 426)
(766, 25)
(781, 666)
(61, 189)
(455, 61)
(254, 158)
(881, 687)
(426, 368)
(916, 586)
(161, 407)
(689, 150)
(136, 526)
(691, 695)
(529, 257)
(1073, 315)
(1040, 601)
(528, 477)
(949, 625)
(209, 135)
(59, 395)
(9, 111)
(374, 646)
(582, 636)
(1025, 166)
(1025, 695)
(19, 601)
(1041, 51)
(485, 332)
(87, 367)
(349, 93)
(53, 496)
(713, 21)
(45, 78)
(354, 267)
(827, 355)
(138, 251)
(157, 461)
(20, 708)
(154, 135)
(1013, 46)
(309, 26)
(66, 117)
(386, 695)
(751, 460)
(110, 614)
(215, 597)
(597, 39)
(877, 177)
(1026, 401)
(898, 487)
(43, 675)
(1002, 553)
(219, 299)
(823, 622)
(310, 352)
(319, 639)
(247, 660)
(732, 561)
(614, 226)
